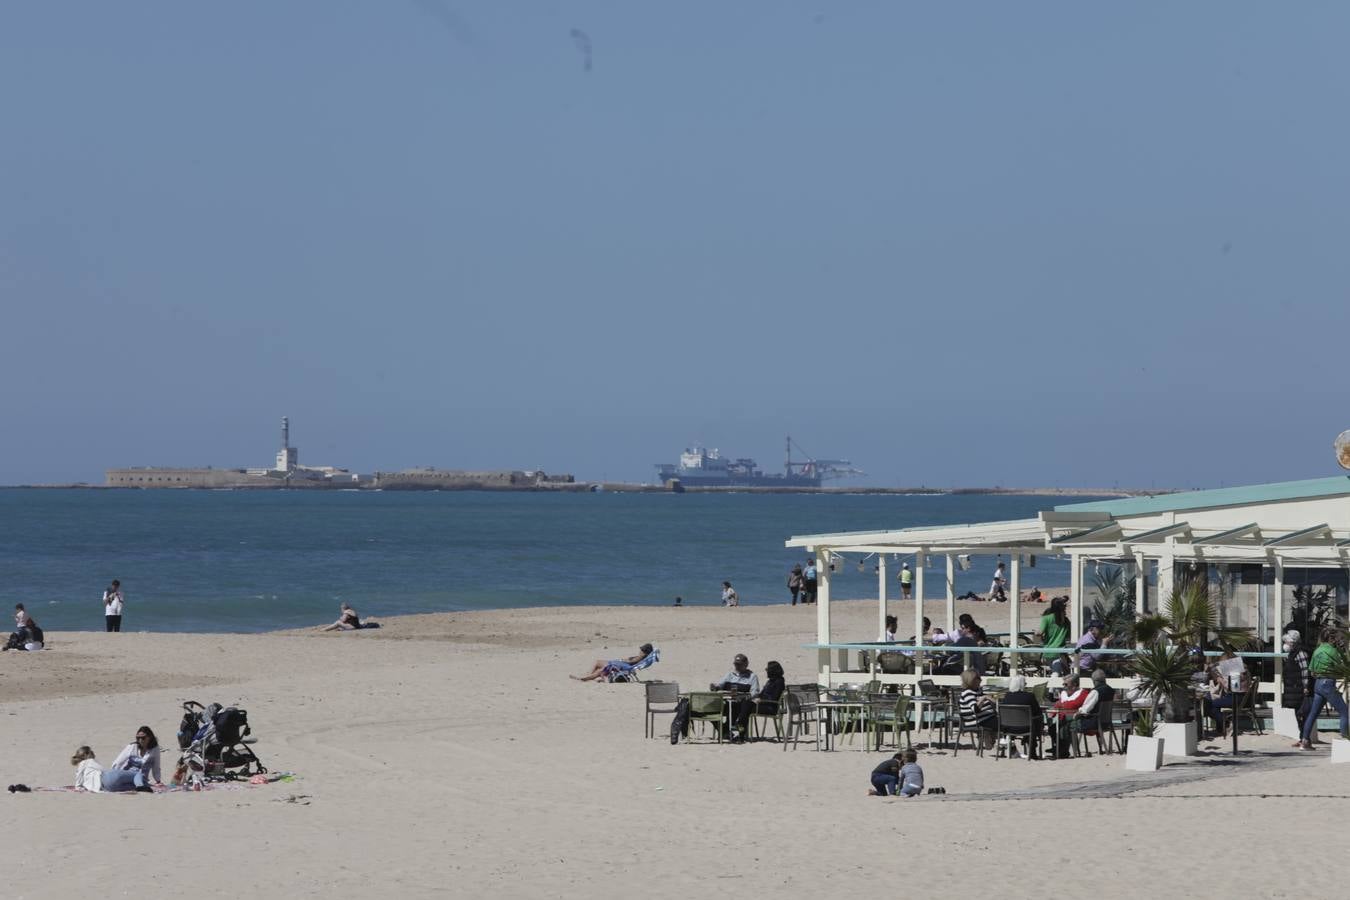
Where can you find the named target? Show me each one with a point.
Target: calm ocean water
(239, 561)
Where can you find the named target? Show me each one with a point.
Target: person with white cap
(906, 577)
(1297, 691)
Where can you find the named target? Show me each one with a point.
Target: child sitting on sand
(898, 775)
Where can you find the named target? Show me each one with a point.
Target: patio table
(828, 711)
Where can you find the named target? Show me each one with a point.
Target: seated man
(1092, 639)
(1018, 695)
(1073, 701)
(739, 679)
(957, 663)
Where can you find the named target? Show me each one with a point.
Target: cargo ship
(703, 467)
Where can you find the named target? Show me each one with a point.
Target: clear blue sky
(960, 243)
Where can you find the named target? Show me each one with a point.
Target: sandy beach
(450, 754)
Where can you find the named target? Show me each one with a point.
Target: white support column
(1140, 584)
(918, 598)
(920, 561)
(1075, 597)
(823, 612)
(1166, 577)
(1015, 600)
(950, 624)
(881, 596)
(1278, 611)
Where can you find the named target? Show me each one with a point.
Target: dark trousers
(794, 592)
(809, 592)
(741, 710)
(885, 785)
(114, 623)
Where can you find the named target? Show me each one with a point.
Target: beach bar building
(1260, 546)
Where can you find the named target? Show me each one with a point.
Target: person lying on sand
(601, 667)
(91, 776)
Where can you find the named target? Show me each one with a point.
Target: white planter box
(1144, 754)
(1178, 737)
(1340, 750)
(1286, 723)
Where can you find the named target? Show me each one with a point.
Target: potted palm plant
(1143, 752)
(1164, 674)
(1169, 645)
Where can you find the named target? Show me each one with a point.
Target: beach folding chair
(662, 698)
(619, 672)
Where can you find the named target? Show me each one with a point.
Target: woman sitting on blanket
(141, 755)
(91, 776)
(603, 667)
(347, 621)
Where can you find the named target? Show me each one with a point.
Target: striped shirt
(975, 714)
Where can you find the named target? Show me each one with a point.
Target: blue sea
(235, 561)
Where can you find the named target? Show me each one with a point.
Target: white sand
(450, 753)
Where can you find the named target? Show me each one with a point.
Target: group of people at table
(1053, 631)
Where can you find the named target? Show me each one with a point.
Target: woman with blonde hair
(977, 711)
(91, 776)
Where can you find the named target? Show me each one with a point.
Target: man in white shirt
(112, 606)
(997, 589)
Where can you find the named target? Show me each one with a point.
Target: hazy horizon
(1041, 244)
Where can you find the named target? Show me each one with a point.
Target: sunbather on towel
(347, 621)
(602, 667)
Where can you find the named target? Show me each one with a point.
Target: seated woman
(91, 776)
(27, 635)
(1018, 695)
(765, 703)
(1219, 692)
(347, 621)
(141, 755)
(977, 710)
(601, 668)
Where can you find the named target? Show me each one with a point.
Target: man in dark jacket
(1297, 692)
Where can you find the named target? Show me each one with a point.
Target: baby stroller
(212, 741)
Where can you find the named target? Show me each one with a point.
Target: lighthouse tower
(287, 456)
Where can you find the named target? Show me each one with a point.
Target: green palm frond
(1148, 629)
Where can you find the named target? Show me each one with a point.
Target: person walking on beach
(112, 606)
(906, 577)
(809, 585)
(1325, 662)
(795, 580)
(729, 595)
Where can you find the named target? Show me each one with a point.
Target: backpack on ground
(679, 726)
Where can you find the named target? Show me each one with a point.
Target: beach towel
(269, 778)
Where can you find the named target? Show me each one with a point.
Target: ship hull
(703, 479)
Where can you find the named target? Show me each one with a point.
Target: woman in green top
(1326, 659)
(1055, 625)
(1055, 633)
